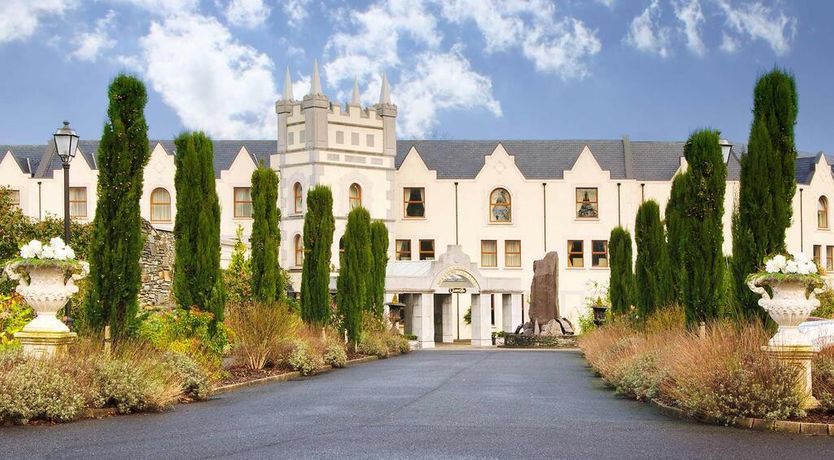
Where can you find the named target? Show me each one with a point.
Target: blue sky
(459, 69)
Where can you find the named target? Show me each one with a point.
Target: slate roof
(42, 161)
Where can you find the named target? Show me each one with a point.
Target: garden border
(785, 426)
(288, 376)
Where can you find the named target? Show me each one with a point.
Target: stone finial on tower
(355, 99)
(385, 91)
(315, 86)
(287, 85)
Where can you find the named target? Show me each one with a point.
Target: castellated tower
(349, 148)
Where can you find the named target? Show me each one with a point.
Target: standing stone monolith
(544, 290)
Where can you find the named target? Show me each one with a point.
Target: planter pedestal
(800, 356)
(789, 306)
(47, 288)
(42, 344)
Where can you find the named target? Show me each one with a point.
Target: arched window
(822, 212)
(298, 198)
(299, 251)
(160, 205)
(355, 196)
(500, 206)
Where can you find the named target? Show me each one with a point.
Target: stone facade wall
(157, 263)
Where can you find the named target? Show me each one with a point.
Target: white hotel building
(467, 216)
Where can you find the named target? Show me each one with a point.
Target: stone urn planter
(788, 289)
(46, 285)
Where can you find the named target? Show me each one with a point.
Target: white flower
(70, 253)
(47, 253)
(36, 246)
(60, 253)
(57, 243)
(791, 267)
(780, 261)
(771, 267)
(803, 269)
(27, 252)
(811, 267)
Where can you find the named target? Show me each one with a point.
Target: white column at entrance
(516, 306)
(424, 319)
(448, 325)
(506, 313)
(481, 328)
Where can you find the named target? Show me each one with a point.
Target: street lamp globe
(66, 141)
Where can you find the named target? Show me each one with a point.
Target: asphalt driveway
(431, 404)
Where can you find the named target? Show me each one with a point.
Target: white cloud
(558, 45)
(91, 44)
(212, 81)
(247, 13)
(296, 11)
(440, 81)
(760, 22)
(689, 13)
(163, 7)
(372, 44)
(728, 43)
(19, 19)
(608, 3)
(646, 34)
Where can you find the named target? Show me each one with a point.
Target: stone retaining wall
(157, 262)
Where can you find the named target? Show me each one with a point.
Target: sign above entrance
(457, 290)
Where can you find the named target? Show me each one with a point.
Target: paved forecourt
(431, 404)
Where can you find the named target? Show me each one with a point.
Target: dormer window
(500, 206)
(822, 213)
(587, 204)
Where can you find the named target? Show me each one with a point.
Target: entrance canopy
(453, 269)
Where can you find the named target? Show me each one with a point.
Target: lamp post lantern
(66, 143)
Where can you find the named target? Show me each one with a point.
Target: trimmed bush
(374, 345)
(266, 236)
(302, 358)
(319, 225)
(621, 282)
(36, 389)
(379, 263)
(652, 268)
(355, 265)
(335, 354)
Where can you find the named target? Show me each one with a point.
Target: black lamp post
(66, 143)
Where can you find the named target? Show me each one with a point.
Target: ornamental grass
(721, 376)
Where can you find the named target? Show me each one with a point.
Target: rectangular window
(403, 249)
(426, 249)
(354, 138)
(78, 202)
(599, 253)
(512, 253)
(587, 205)
(13, 196)
(301, 136)
(492, 309)
(829, 258)
(243, 202)
(489, 253)
(340, 137)
(290, 138)
(414, 199)
(369, 140)
(817, 251)
(576, 254)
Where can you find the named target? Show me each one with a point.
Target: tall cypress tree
(115, 274)
(198, 281)
(319, 225)
(266, 236)
(354, 267)
(703, 230)
(651, 269)
(767, 182)
(621, 282)
(379, 255)
(674, 214)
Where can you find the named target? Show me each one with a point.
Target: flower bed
(722, 377)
